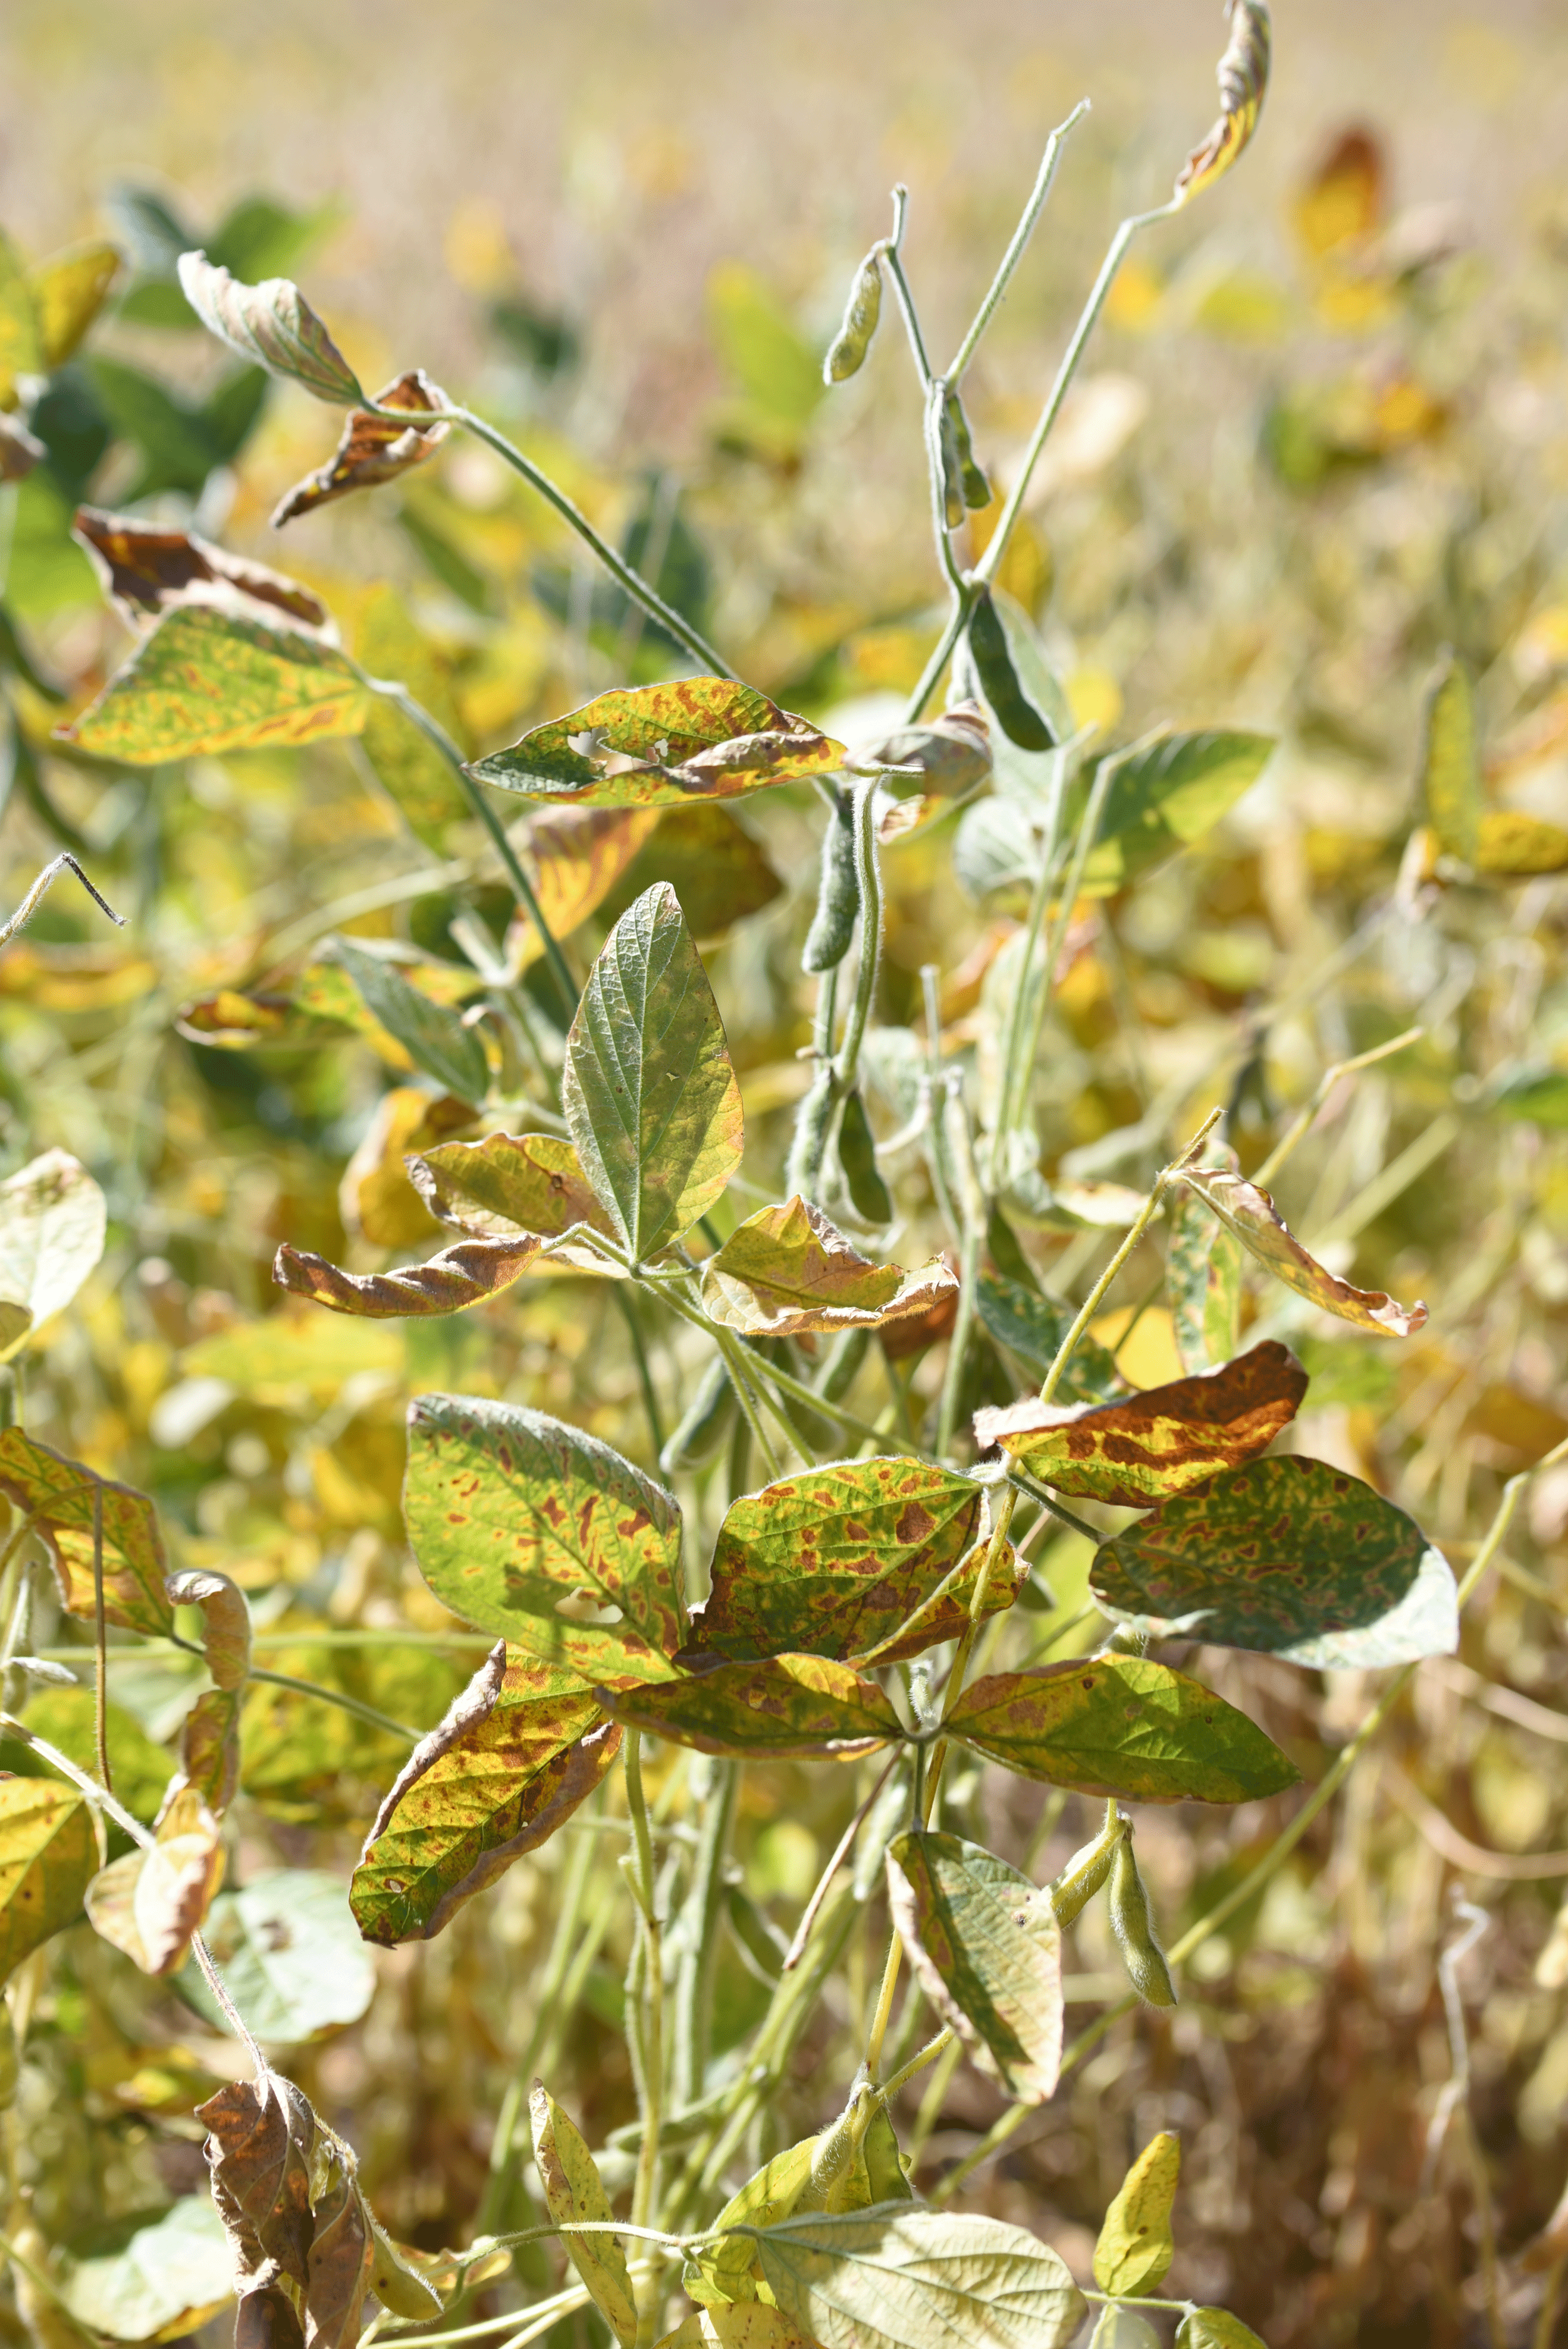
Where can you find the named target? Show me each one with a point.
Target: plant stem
(645, 1890)
(971, 1204)
(1015, 250)
(892, 253)
(548, 1991)
(339, 1697)
(1302, 1123)
(645, 1374)
(694, 1976)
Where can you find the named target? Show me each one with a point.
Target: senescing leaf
(787, 1270)
(49, 1856)
(664, 745)
(271, 325)
(574, 2191)
(58, 1494)
(522, 1746)
(1167, 1440)
(1120, 1727)
(740, 2324)
(466, 1274)
(1450, 776)
(1203, 1279)
(207, 680)
(52, 1218)
(722, 2272)
(1256, 1222)
(375, 1197)
(435, 1036)
(226, 1622)
(150, 1903)
(341, 2259)
(372, 449)
(510, 1186)
(1135, 2247)
(575, 856)
(1243, 74)
(1293, 1556)
(1513, 846)
(516, 1518)
(986, 1949)
(785, 1707)
(1165, 795)
(261, 2145)
(649, 1092)
(209, 1750)
(147, 572)
(949, 755)
(909, 2279)
(68, 290)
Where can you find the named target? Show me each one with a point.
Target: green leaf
(521, 1748)
(1167, 1440)
(1033, 1327)
(988, 1954)
(775, 367)
(573, 2190)
(789, 1706)
(212, 680)
(65, 1717)
(52, 1224)
(271, 324)
(786, 1271)
(909, 2279)
(58, 1494)
(1135, 2247)
(649, 1092)
(1450, 771)
(290, 1954)
(171, 437)
(722, 2272)
(664, 745)
(1216, 2328)
(508, 1185)
(1256, 1222)
(832, 1561)
(1534, 1095)
(48, 1856)
(1293, 1556)
(1120, 1727)
(513, 1516)
(165, 2280)
(1203, 1280)
(432, 1034)
(1163, 797)
(406, 762)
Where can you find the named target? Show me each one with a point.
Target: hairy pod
(974, 487)
(702, 1430)
(1014, 711)
(808, 1147)
(857, 1156)
(1132, 1922)
(952, 506)
(1070, 1893)
(838, 894)
(853, 340)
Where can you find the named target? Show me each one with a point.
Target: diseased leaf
(514, 1515)
(788, 1706)
(1165, 796)
(52, 1224)
(271, 324)
(373, 450)
(149, 1904)
(833, 1561)
(510, 1185)
(148, 571)
(461, 1276)
(1033, 1328)
(339, 2263)
(163, 2284)
(226, 1622)
(521, 1748)
(662, 745)
(48, 1854)
(1252, 1215)
(209, 1750)
(207, 680)
(432, 1034)
(787, 1270)
(988, 1954)
(1243, 74)
(396, 2283)
(260, 2139)
(744, 2324)
(908, 2278)
(1450, 773)
(267, 2318)
(1203, 1280)
(1167, 1440)
(1216, 2328)
(288, 1950)
(1120, 1727)
(57, 1495)
(1135, 2247)
(575, 857)
(1293, 1556)
(649, 1092)
(573, 2190)
(69, 289)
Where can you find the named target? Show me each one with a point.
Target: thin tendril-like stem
(29, 906)
(1017, 249)
(101, 1646)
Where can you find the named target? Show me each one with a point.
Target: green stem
(645, 1889)
(1015, 250)
(645, 1374)
(971, 1203)
(344, 1703)
(892, 253)
(695, 1978)
(544, 1996)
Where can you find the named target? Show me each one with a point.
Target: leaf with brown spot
(261, 2137)
(209, 679)
(663, 745)
(510, 1185)
(226, 1622)
(149, 1904)
(1256, 1222)
(47, 1856)
(986, 1950)
(788, 1707)
(57, 1495)
(146, 571)
(517, 1752)
(787, 1269)
(901, 1339)
(1167, 1440)
(1203, 1279)
(573, 2190)
(210, 1750)
(340, 2263)
(461, 1276)
(1135, 2247)
(372, 449)
(737, 2324)
(273, 325)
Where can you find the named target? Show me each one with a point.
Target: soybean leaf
(432, 1034)
(461, 1276)
(52, 1224)
(988, 1953)
(1511, 846)
(406, 762)
(49, 1856)
(573, 2190)
(576, 858)
(948, 755)
(650, 1096)
(396, 2282)
(226, 1622)
(209, 1750)
(1136, 2248)
(1121, 1726)
(164, 2281)
(1167, 1440)
(149, 1904)
(1293, 1556)
(722, 2272)
(743, 2324)
(290, 1954)
(664, 745)
(1533, 1095)
(65, 1717)
(1165, 796)
(271, 324)
(209, 680)
(511, 1185)
(520, 1749)
(261, 2145)
(786, 1271)
(146, 571)
(1252, 1215)
(720, 874)
(1203, 1280)
(68, 291)
(514, 1518)
(1033, 1327)
(373, 450)
(1243, 74)
(788, 1706)
(833, 1561)
(1450, 773)
(340, 2262)
(905, 2278)
(58, 1494)
(310, 1764)
(1215, 2328)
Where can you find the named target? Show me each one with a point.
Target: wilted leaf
(790, 1705)
(649, 1092)
(575, 857)
(1167, 1440)
(1252, 1215)
(288, 1950)
(1450, 773)
(373, 450)
(1120, 1727)
(987, 1951)
(1216, 2328)
(226, 1622)
(48, 1854)
(508, 1186)
(1033, 1328)
(207, 680)
(573, 2190)
(57, 1495)
(260, 2139)
(1135, 2247)
(1293, 1556)
(521, 1748)
(663, 745)
(1203, 1280)
(433, 1035)
(1165, 796)
(1243, 74)
(461, 1276)
(169, 2277)
(832, 1561)
(52, 1224)
(339, 2263)
(514, 1515)
(209, 1750)
(787, 1270)
(1512, 846)
(149, 1904)
(271, 324)
(147, 572)
(908, 2278)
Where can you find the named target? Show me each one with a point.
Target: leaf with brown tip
(146, 571)
(372, 449)
(664, 745)
(57, 1495)
(789, 1706)
(461, 1276)
(787, 1269)
(1256, 1222)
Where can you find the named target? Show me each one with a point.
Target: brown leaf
(460, 1276)
(1170, 1439)
(267, 2318)
(1256, 1222)
(226, 1620)
(261, 2135)
(150, 1903)
(342, 2257)
(903, 1339)
(20, 449)
(371, 450)
(146, 571)
(787, 1270)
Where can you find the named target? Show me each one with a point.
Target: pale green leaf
(897, 2278)
(167, 2278)
(573, 2190)
(1165, 796)
(1216, 2328)
(271, 325)
(52, 1224)
(290, 1953)
(987, 1951)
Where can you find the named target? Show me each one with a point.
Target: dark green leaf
(1033, 1327)
(789, 1705)
(664, 745)
(987, 1951)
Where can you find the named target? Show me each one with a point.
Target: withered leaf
(226, 1619)
(266, 2317)
(150, 1903)
(1243, 74)
(789, 1705)
(339, 2264)
(261, 2135)
(787, 1270)
(372, 449)
(460, 1276)
(146, 571)
(1256, 1222)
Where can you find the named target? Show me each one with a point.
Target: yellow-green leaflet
(209, 679)
(898, 2278)
(1135, 2246)
(573, 2189)
(47, 1856)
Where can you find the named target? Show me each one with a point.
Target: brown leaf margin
(1257, 1222)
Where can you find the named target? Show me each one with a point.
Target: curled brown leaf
(373, 450)
(146, 571)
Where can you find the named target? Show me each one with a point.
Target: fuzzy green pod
(1132, 1922)
(974, 487)
(702, 1430)
(1014, 711)
(1070, 1893)
(847, 354)
(857, 1156)
(838, 894)
(953, 508)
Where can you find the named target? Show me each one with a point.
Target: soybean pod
(837, 893)
(1070, 1893)
(847, 354)
(1132, 1922)
(1014, 711)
